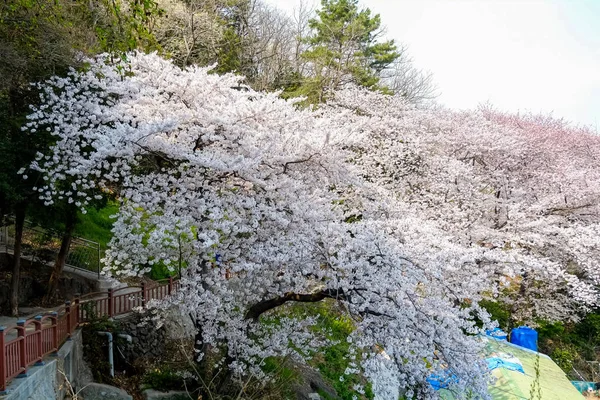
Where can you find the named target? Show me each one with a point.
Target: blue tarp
(583, 386)
(441, 381)
(497, 333)
(512, 364)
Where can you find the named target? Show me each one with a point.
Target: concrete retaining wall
(47, 381)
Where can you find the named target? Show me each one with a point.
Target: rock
(178, 325)
(151, 394)
(99, 391)
(310, 383)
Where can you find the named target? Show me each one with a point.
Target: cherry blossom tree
(406, 217)
(525, 186)
(256, 202)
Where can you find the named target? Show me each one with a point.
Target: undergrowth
(333, 360)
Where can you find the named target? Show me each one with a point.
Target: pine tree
(344, 48)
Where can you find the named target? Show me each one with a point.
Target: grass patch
(96, 224)
(333, 360)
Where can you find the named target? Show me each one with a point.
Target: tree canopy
(407, 217)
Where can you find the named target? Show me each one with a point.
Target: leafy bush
(498, 311)
(164, 379)
(160, 271)
(564, 357)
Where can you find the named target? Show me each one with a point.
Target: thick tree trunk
(513, 319)
(16, 273)
(61, 258)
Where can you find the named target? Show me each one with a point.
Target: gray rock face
(310, 383)
(99, 391)
(178, 325)
(147, 341)
(151, 394)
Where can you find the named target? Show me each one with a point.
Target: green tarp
(513, 385)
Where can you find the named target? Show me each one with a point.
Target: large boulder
(178, 325)
(100, 391)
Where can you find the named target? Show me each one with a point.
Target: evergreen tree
(344, 48)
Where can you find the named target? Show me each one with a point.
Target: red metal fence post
(54, 318)
(2, 361)
(22, 348)
(143, 293)
(111, 305)
(38, 340)
(68, 317)
(76, 309)
(170, 285)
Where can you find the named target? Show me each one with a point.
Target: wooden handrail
(51, 330)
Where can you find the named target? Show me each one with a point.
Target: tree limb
(256, 310)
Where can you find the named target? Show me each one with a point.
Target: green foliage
(588, 329)
(552, 330)
(336, 357)
(564, 357)
(96, 224)
(498, 311)
(344, 48)
(276, 365)
(165, 379)
(333, 360)
(130, 26)
(229, 54)
(232, 51)
(161, 271)
(41, 38)
(283, 377)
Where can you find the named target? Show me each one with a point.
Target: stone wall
(150, 342)
(147, 341)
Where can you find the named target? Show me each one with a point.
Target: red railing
(30, 341)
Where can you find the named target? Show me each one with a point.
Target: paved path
(28, 313)
(12, 321)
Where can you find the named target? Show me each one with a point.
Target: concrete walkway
(7, 322)
(102, 283)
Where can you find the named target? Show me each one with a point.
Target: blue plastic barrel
(524, 336)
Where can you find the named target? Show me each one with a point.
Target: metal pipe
(110, 352)
(111, 359)
(126, 337)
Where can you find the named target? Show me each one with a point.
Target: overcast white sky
(536, 55)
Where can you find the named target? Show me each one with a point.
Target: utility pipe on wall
(110, 352)
(111, 360)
